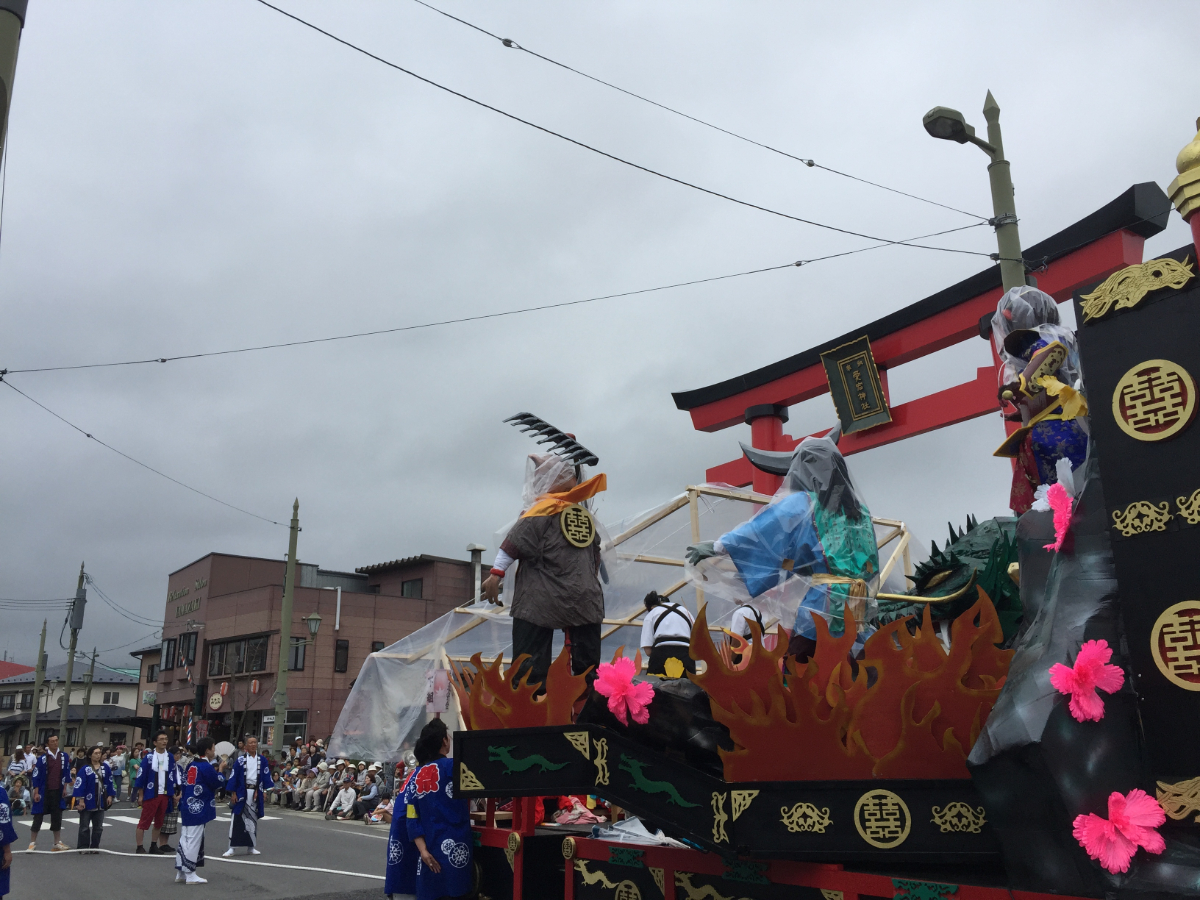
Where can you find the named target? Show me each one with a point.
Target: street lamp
(949, 125)
(313, 621)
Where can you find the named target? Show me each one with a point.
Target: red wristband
(499, 573)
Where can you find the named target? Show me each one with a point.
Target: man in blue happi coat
(402, 856)
(249, 783)
(49, 773)
(197, 807)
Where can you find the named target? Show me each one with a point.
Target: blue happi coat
(147, 780)
(38, 781)
(8, 835)
(92, 787)
(445, 824)
(237, 783)
(199, 802)
(402, 856)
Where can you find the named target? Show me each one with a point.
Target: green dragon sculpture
(979, 555)
(503, 755)
(645, 785)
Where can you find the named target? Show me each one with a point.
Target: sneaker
(153, 847)
(228, 852)
(59, 845)
(32, 846)
(140, 849)
(254, 852)
(166, 848)
(193, 878)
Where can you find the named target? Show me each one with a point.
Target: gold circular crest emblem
(1155, 400)
(578, 527)
(882, 819)
(1175, 644)
(568, 848)
(627, 890)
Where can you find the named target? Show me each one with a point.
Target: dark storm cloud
(189, 177)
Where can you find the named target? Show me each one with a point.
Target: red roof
(9, 669)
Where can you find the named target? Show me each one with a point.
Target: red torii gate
(1093, 248)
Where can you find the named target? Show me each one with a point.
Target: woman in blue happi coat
(8, 837)
(402, 856)
(438, 824)
(92, 794)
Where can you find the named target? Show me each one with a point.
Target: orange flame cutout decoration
(489, 699)
(908, 709)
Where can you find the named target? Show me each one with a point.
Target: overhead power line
(137, 461)
(604, 153)
(812, 164)
(463, 319)
(129, 614)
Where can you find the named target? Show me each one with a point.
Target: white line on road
(246, 862)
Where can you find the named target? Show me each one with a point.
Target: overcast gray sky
(187, 177)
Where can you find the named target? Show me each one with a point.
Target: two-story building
(112, 713)
(221, 638)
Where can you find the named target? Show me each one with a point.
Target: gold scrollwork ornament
(600, 761)
(741, 801)
(720, 817)
(1181, 799)
(1142, 517)
(806, 817)
(959, 816)
(1189, 508)
(467, 780)
(1127, 288)
(831, 895)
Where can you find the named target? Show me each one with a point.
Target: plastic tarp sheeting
(386, 708)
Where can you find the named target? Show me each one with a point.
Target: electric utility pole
(87, 698)
(76, 616)
(39, 674)
(285, 635)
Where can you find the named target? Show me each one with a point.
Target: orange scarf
(552, 504)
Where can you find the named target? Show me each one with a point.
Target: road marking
(130, 819)
(247, 862)
(101, 850)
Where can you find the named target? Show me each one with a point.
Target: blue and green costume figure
(816, 536)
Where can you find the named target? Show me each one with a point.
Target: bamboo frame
(690, 498)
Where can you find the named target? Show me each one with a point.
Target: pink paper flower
(615, 681)
(1131, 823)
(1092, 670)
(1061, 502)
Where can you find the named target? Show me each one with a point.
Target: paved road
(302, 856)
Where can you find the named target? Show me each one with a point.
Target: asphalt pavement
(302, 856)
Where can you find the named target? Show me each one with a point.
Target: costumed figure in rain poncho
(557, 542)
(1039, 376)
(814, 541)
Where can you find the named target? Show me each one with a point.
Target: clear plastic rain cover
(386, 708)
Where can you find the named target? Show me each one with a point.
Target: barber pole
(190, 729)
(254, 686)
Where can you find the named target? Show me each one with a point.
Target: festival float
(1018, 715)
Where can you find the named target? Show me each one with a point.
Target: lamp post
(285, 634)
(949, 125)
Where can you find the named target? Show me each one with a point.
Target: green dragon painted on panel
(503, 755)
(644, 784)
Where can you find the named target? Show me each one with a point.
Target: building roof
(229, 555)
(97, 712)
(138, 654)
(59, 673)
(408, 561)
(9, 669)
